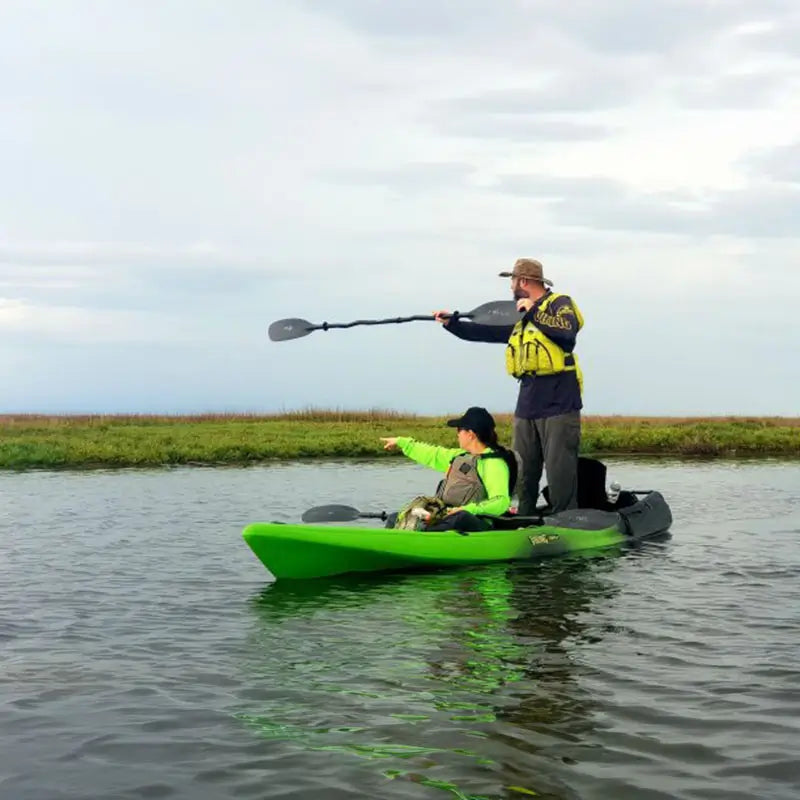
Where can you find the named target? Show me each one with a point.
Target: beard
(521, 294)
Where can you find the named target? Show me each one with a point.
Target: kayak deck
(300, 551)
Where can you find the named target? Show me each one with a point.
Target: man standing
(540, 354)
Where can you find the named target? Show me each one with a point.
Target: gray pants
(552, 443)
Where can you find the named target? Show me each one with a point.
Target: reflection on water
(469, 676)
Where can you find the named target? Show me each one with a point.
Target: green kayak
(316, 551)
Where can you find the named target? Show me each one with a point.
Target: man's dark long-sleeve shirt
(539, 396)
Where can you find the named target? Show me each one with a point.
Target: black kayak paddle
(340, 513)
(337, 513)
(498, 312)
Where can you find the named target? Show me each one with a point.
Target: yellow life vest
(530, 352)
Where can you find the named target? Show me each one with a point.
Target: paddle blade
(331, 514)
(498, 312)
(285, 329)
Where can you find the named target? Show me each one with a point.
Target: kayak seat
(591, 485)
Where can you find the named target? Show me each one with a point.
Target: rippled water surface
(145, 653)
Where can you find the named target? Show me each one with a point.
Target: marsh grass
(82, 441)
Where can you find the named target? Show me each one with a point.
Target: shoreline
(35, 441)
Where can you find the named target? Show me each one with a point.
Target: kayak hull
(300, 551)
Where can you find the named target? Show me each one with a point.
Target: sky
(175, 176)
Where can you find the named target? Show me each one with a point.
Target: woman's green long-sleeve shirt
(492, 471)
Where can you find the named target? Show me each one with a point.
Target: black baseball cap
(475, 419)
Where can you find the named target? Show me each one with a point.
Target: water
(145, 653)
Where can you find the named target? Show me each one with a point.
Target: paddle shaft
(389, 321)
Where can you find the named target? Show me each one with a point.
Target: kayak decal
(543, 538)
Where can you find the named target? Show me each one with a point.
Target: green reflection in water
(447, 786)
(408, 667)
(314, 739)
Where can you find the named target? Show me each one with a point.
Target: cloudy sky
(177, 175)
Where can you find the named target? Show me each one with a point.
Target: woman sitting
(480, 474)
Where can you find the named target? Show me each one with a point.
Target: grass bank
(33, 441)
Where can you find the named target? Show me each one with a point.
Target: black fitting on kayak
(509, 522)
